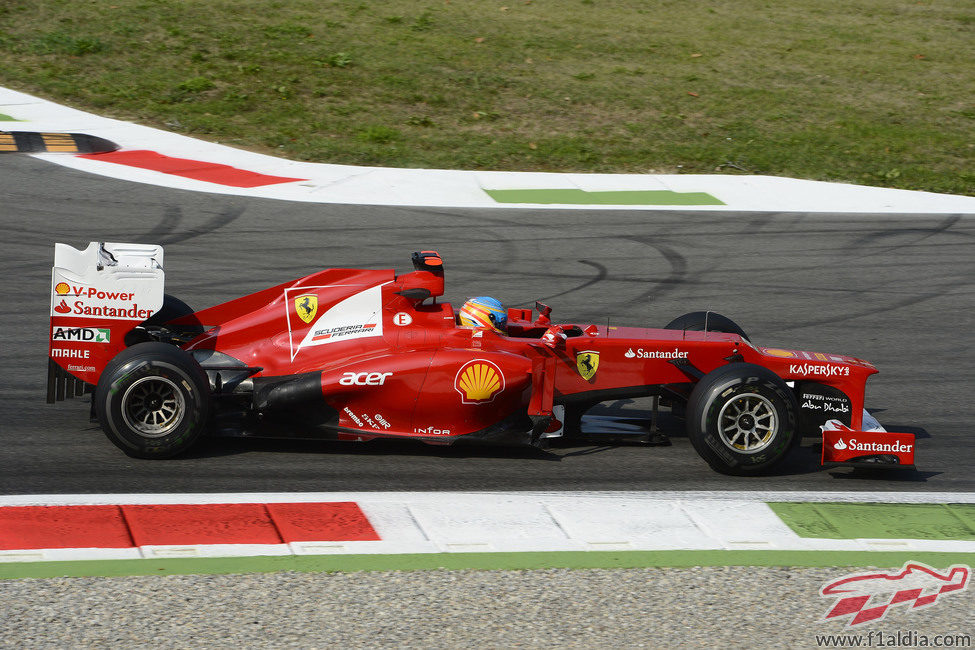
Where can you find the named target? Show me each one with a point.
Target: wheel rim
(747, 423)
(153, 407)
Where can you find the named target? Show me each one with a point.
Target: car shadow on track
(610, 427)
(617, 427)
(219, 446)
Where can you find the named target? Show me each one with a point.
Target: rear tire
(152, 400)
(742, 419)
(172, 308)
(698, 320)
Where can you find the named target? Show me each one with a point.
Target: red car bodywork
(380, 357)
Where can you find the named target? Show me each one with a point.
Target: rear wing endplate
(98, 295)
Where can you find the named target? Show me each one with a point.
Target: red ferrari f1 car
(351, 354)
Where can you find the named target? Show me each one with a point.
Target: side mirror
(554, 338)
(543, 314)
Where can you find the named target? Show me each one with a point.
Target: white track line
(475, 496)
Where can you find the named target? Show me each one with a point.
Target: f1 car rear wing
(98, 295)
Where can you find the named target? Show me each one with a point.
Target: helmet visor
(500, 321)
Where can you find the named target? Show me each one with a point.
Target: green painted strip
(480, 561)
(879, 520)
(581, 197)
(7, 118)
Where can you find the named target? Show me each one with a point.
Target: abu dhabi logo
(915, 584)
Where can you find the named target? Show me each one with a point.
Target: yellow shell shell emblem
(587, 363)
(307, 307)
(479, 381)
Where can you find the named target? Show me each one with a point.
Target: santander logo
(895, 447)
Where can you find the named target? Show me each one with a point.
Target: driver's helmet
(484, 311)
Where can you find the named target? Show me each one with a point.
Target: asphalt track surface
(897, 290)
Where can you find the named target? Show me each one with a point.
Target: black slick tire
(698, 321)
(171, 309)
(152, 400)
(742, 419)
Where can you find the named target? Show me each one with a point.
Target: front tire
(152, 400)
(741, 419)
(698, 321)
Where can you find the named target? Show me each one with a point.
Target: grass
(873, 91)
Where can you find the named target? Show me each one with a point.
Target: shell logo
(62, 288)
(775, 352)
(479, 381)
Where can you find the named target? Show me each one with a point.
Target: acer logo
(364, 378)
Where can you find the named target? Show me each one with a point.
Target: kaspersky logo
(82, 334)
(869, 596)
(479, 381)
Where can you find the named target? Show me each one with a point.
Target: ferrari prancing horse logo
(306, 306)
(587, 362)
